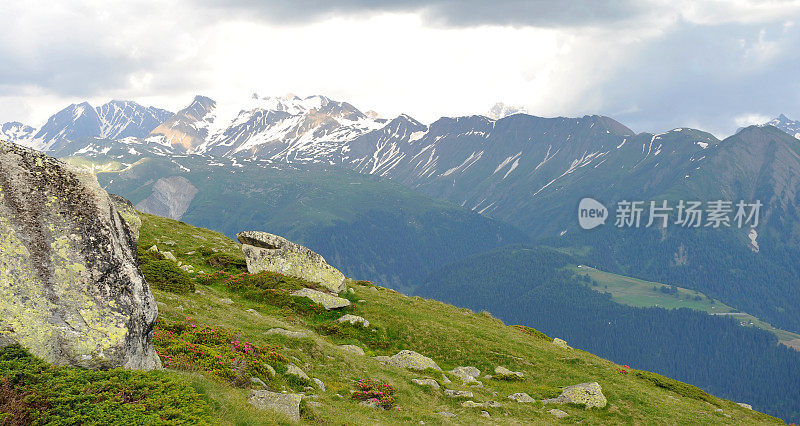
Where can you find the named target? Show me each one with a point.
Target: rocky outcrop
(354, 319)
(503, 373)
(588, 394)
(284, 404)
(171, 197)
(267, 252)
(561, 343)
(128, 213)
(329, 301)
(71, 291)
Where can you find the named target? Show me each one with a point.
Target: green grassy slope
(449, 335)
(640, 293)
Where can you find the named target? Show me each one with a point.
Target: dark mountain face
(73, 122)
(122, 119)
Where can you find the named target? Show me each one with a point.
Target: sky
(653, 65)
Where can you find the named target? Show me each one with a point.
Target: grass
(451, 336)
(640, 293)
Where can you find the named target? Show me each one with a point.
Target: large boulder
(588, 394)
(413, 361)
(267, 252)
(71, 291)
(329, 301)
(286, 404)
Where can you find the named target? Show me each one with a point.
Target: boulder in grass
(413, 361)
(286, 404)
(588, 394)
(329, 301)
(268, 252)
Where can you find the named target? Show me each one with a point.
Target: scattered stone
(426, 382)
(558, 413)
(226, 301)
(486, 414)
(521, 397)
(270, 370)
(470, 404)
(287, 404)
(327, 300)
(472, 382)
(588, 394)
(254, 312)
(351, 291)
(446, 380)
(268, 252)
(153, 249)
(352, 349)
(492, 404)
(672, 397)
(413, 361)
(748, 406)
(466, 373)
(561, 343)
(504, 373)
(383, 359)
(296, 371)
(354, 319)
(452, 393)
(320, 384)
(286, 333)
(168, 255)
(71, 290)
(446, 414)
(180, 263)
(187, 268)
(257, 381)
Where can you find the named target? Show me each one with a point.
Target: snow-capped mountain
(786, 124)
(15, 131)
(113, 120)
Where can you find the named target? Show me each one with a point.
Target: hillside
(242, 307)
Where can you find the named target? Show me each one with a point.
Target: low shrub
(532, 332)
(378, 390)
(373, 337)
(215, 351)
(166, 275)
(680, 388)
(34, 392)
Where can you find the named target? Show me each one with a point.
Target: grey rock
(254, 312)
(320, 384)
(465, 373)
(153, 249)
(452, 393)
(742, 404)
(258, 382)
(169, 256)
(129, 214)
(486, 414)
(287, 404)
(588, 394)
(354, 319)
(268, 252)
(413, 361)
(327, 300)
(561, 343)
(226, 301)
(446, 380)
(521, 397)
(558, 413)
(504, 373)
(72, 290)
(286, 333)
(270, 370)
(382, 359)
(373, 403)
(470, 404)
(352, 349)
(296, 371)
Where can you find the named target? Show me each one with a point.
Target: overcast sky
(653, 65)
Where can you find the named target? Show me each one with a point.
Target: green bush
(34, 392)
(378, 390)
(532, 332)
(166, 275)
(680, 388)
(373, 337)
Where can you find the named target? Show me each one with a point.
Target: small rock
(505, 373)
(354, 319)
(493, 404)
(426, 382)
(413, 361)
(254, 312)
(465, 373)
(445, 379)
(270, 370)
(561, 343)
(351, 291)
(718, 410)
(588, 394)
(327, 300)
(383, 359)
(521, 397)
(486, 414)
(180, 263)
(452, 393)
(285, 404)
(352, 349)
(472, 382)
(320, 384)
(286, 333)
(374, 403)
(226, 301)
(169, 255)
(558, 413)
(296, 371)
(187, 268)
(153, 249)
(748, 406)
(446, 414)
(470, 404)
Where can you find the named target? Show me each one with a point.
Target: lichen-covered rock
(354, 319)
(521, 397)
(329, 301)
(129, 214)
(742, 404)
(558, 413)
(588, 394)
(71, 291)
(287, 404)
(413, 361)
(286, 333)
(296, 371)
(267, 252)
(452, 393)
(353, 349)
(426, 382)
(466, 373)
